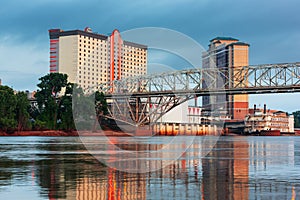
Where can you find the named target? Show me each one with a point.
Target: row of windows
(134, 59)
(88, 71)
(87, 40)
(134, 63)
(280, 119)
(89, 56)
(92, 73)
(89, 47)
(93, 61)
(101, 65)
(279, 125)
(93, 52)
(138, 57)
(89, 60)
(132, 73)
(91, 78)
(138, 65)
(89, 83)
(135, 53)
(132, 67)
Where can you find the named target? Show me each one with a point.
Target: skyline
(270, 29)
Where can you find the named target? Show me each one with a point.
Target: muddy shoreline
(59, 133)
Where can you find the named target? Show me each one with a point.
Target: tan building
(263, 119)
(90, 58)
(227, 54)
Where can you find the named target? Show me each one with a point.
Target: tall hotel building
(227, 54)
(90, 58)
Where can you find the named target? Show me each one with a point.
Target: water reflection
(236, 168)
(225, 171)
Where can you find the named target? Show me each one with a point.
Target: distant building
(30, 95)
(263, 119)
(90, 58)
(226, 54)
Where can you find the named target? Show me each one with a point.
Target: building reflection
(117, 186)
(233, 169)
(86, 179)
(225, 171)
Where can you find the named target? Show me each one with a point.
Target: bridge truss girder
(131, 100)
(139, 111)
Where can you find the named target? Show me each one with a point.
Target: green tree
(83, 109)
(297, 119)
(65, 113)
(100, 107)
(22, 114)
(101, 104)
(7, 109)
(47, 97)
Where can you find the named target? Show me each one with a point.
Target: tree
(22, 114)
(7, 109)
(47, 97)
(100, 106)
(83, 109)
(65, 113)
(297, 119)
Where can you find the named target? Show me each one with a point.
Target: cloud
(23, 63)
(271, 28)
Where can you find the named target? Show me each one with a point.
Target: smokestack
(265, 108)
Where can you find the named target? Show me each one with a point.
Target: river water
(234, 168)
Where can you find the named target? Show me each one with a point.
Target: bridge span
(142, 100)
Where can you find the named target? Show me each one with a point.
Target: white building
(90, 58)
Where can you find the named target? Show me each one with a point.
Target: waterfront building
(226, 54)
(90, 58)
(263, 119)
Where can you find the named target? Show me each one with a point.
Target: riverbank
(53, 133)
(57, 133)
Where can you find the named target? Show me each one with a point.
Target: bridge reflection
(236, 168)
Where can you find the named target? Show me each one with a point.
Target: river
(232, 168)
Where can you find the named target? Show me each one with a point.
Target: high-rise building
(90, 58)
(227, 54)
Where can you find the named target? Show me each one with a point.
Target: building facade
(226, 54)
(90, 58)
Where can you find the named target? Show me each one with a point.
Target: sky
(272, 28)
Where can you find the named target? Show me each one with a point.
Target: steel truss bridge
(142, 100)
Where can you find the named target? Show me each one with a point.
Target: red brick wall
(240, 110)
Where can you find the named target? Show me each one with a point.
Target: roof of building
(56, 33)
(239, 43)
(223, 38)
(141, 46)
